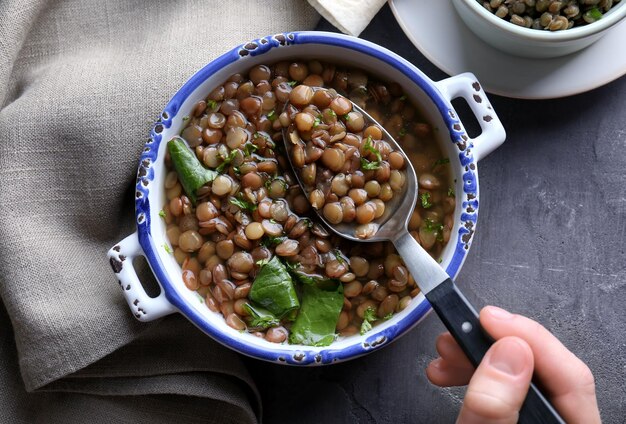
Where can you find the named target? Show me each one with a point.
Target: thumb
(498, 387)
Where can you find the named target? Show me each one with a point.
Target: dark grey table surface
(550, 244)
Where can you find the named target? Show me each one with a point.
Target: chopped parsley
(442, 161)
(268, 183)
(451, 192)
(339, 257)
(272, 241)
(425, 199)
(226, 162)
(403, 97)
(162, 214)
(388, 316)
(262, 262)
(272, 116)
(250, 148)
(292, 83)
(369, 147)
(432, 225)
(167, 248)
(346, 117)
(243, 204)
(436, 227)
(594, 13)
(331, 112)
(317, 122)
(402, 132)
(366, 165)
(185, 118)
(369, 316)
(212, 104)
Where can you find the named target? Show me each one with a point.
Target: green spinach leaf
(317, 318)
(260, 317)
(273, 289)
(315, 280)
(191, 173)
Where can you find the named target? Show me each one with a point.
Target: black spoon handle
(461, 319)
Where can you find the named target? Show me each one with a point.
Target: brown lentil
(352, 289)
(333, 212)
(235, 322)
(276, 334)
(190, 280)
(404, 302)
(225, 249)
(190, 241)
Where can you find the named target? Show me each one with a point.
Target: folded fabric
(80, 84)
(349, 16)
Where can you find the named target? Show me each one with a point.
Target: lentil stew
(243, 230)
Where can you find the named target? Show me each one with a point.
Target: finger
(443, 374)
(453, 368)
(498, 387)
(567, 380)
(450, 351)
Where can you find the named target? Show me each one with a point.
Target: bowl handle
(144, 307)
(467, 86)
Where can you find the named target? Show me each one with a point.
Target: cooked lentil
(255, 209)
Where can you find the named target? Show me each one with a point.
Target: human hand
(498, 387)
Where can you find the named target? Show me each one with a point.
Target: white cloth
(349, 16)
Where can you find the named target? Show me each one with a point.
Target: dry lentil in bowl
(243, 230)
(348, 171)
(552, 15)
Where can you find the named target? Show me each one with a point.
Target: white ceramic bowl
(150, 238)
(526, 42)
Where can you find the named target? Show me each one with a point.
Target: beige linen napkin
(80, 84)
(349, 16)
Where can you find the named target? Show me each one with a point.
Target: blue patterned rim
(307, 355)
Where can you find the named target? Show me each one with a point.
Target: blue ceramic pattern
(145, 175)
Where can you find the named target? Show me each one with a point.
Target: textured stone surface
(550, 244)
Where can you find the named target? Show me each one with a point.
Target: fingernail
(499, 313)
(437, 363)
(508, 356)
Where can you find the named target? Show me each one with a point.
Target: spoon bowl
(397, 211)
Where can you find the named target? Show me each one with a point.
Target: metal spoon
(452, 307)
